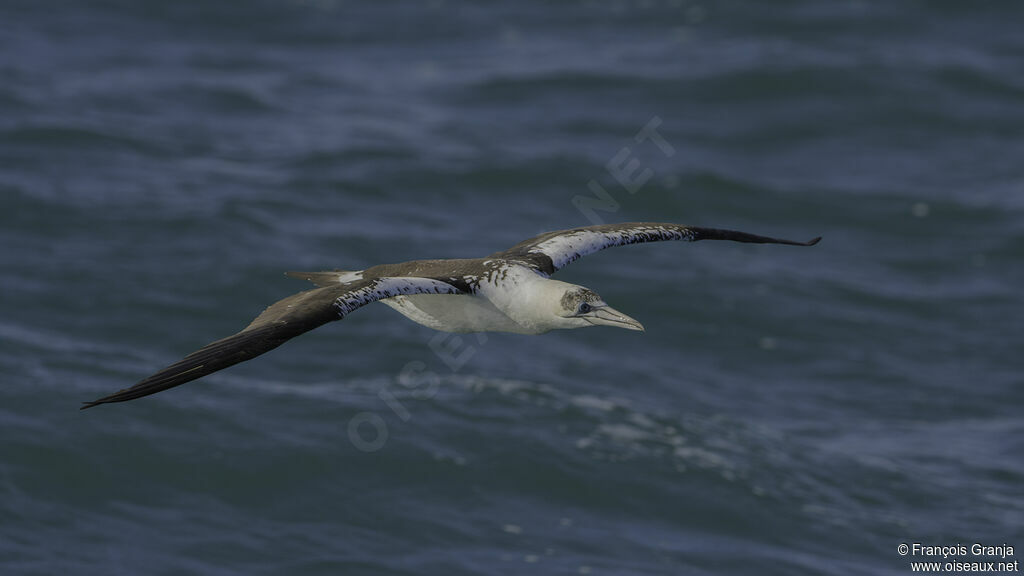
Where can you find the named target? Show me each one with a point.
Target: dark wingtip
(90, 404)
(813, 241)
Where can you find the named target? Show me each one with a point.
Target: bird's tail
(328, 278)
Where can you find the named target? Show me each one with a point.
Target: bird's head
(579, 307)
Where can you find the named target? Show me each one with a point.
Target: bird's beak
(608, 316)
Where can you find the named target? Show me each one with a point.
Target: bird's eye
(583, 308)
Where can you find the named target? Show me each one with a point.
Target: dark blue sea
(788, 411)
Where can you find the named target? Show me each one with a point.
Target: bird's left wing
(277, 324)
(552, 251)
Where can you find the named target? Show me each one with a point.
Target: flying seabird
(508, 291)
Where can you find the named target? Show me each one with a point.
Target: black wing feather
(279, 323)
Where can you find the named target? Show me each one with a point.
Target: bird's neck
(531, 301)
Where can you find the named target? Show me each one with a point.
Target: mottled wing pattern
(552, 251)
(389, 287)
(279, 323)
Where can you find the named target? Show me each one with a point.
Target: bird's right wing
(552, 251)
(279, 323)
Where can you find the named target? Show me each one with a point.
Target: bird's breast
(455, 313)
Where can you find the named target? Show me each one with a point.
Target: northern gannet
(508, 291)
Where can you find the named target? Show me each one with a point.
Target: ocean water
(787, 411)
